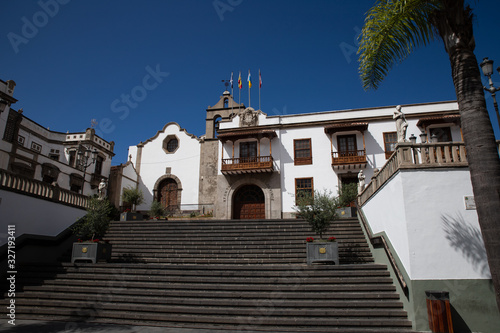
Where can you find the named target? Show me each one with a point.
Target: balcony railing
(355, 157)
(41, 190)
(417, 156)
(247, 165)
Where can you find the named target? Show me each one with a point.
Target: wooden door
(249, 203)
(168, 194)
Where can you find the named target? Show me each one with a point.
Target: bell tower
(209, 154)
(222, 111)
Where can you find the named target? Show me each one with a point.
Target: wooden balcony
(349, 159)
(258, 164)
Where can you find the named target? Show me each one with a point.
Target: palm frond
(392, 30)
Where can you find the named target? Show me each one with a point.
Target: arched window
(217, 119)
(226, 103)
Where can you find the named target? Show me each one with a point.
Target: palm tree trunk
(482, 154)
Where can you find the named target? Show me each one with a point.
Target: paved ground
(34, 326)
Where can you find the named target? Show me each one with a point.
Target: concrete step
(233, 275)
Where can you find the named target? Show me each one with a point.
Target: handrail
(35, 188)
(417, 156)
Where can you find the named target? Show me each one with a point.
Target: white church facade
(250, 165)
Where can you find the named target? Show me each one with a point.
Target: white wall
(324, 177)
(424, 217)
(184, 164)
(129, 179)
(34, 216)
(323, 174)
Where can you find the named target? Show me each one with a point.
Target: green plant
(96, 222)
(133, 196)
(348, 194)
(318, 210)
(193, 214)
(156, 209)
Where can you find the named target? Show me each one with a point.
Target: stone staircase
(233, 275)
(229, 242)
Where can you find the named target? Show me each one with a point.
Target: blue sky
(74, 61)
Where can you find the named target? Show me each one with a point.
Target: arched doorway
(167, 190)
(249, 203)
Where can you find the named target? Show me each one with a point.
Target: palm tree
(392, 30)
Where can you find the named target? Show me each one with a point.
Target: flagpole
(232, 97)
(249, 88)
(239, 88)
(260, 84)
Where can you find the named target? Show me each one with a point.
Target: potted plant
(319, 211)
(346, 199)
(133, 196)
(89, 229)
(157, 210)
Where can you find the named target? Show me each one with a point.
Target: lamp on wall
(85, 157)
(423, 137)
(487, 68)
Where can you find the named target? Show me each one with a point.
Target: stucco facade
(251, 165)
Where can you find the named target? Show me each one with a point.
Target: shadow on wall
(468, 240)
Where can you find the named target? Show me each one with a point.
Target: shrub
(96, 222)
(156, 209)
(318, 210)
(133, 196)
(348, 194)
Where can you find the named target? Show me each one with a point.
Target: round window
(172, 145)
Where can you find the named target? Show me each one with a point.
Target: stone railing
(41, 190)
(417, 156)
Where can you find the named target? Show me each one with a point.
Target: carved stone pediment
(249, 117)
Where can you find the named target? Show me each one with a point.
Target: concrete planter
(325, 252)
(91, 251)
(347, 212)
(128, 216)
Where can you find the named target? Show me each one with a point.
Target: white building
(45, 176)
(417, 208)
(72, 161)
(251, 165)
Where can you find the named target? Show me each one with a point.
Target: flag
(249, 80)
(239, 81)
(231, 80)
(260, 80)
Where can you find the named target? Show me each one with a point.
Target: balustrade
(417, 156)
(39, 189)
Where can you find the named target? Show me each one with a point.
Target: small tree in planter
(348, 194)
(134, 197)
(156, 209)
(319, 211)
(96, 222)
(90, 228)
